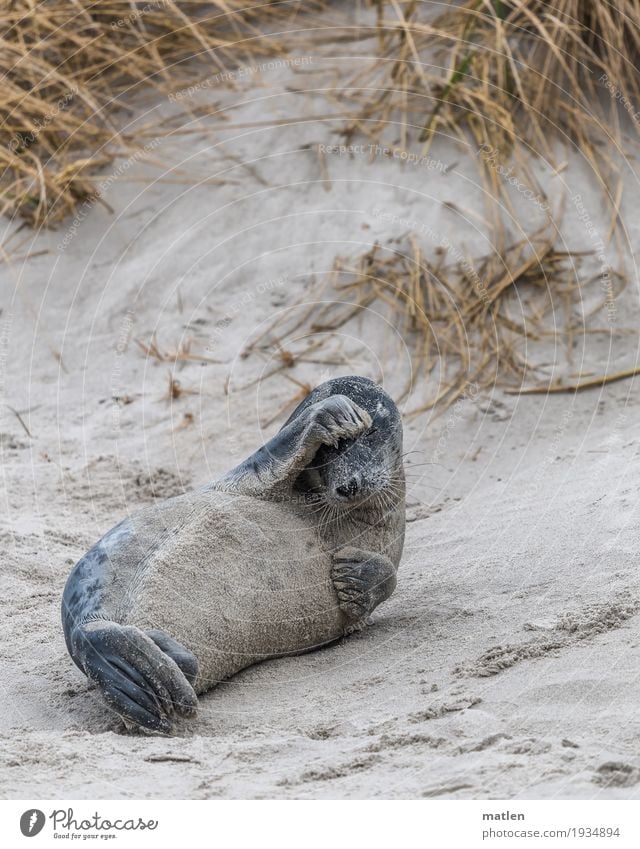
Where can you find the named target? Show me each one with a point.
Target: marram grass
(513, 76)
(67, 68)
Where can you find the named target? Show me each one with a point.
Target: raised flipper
(362, 581)
(185, 659)
(272, 468)
(137, 676)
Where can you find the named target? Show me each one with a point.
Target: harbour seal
(287, 552)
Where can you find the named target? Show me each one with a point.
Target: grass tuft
(511, 76)
(466, 326)
(68, 68)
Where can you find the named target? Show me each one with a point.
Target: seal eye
(345, 443)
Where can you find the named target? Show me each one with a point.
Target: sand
(506, 663)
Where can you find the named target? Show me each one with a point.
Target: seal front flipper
(362, 581)
(139, 680)
(274, 466)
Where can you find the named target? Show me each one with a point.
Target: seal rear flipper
(185, 659)
(137, 678)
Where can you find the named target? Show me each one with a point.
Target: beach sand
(506, 663)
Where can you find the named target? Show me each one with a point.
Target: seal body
(286, 553)
(237, 581)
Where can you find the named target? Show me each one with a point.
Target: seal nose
(348, 489)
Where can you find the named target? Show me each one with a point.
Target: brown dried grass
(511, 75)
(468, 323)
(515, 76)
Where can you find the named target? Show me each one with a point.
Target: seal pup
(289, 551)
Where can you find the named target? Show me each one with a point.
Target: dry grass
(182, 353)
(514, 76)
(67, 68)
(511, 76)
(464, 324)
(493, 72)
(506, 79)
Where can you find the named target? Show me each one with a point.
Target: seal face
(287, 552)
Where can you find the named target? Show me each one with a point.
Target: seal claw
(336, 418)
